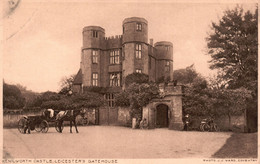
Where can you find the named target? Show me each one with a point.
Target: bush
(95, 89)
(137, 96)
(138, 78)
(86, 100)
(122, 99)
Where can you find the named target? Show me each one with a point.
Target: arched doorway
(162, 119)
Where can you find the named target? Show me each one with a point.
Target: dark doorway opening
(162, 119)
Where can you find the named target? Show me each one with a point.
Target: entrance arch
(162, 119)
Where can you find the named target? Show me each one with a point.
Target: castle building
(106, 61)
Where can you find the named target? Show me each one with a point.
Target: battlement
(170, 89)
(113, 41)
(113, 37)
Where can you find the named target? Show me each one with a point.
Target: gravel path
(112, 142)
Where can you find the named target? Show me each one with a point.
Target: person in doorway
(144, 124)
(186, 122)
(210, 122)
(138, 123)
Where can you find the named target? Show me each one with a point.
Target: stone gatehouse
(107, 61)
(167, 110)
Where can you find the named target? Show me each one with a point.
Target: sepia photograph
(129, 81)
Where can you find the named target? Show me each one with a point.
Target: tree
(12, 97)
(137, 94)
(44, 97)
(217, 82)
(196, 100)
(232, 46)
(199, 100)
(162, 79)
(86, 100)
(66, 84)
(186, 75)
(138, 78)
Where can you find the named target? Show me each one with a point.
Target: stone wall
(152, 69)
(113, 42)
(143, 62)
(159, 69)
(124, 118)
(128, 59)
(92, 116)
(95, 67)
(104, 62)
(86, 67)
(237, 123)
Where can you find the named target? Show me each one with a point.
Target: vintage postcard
(129, 81)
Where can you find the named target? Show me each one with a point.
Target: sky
(42, 39)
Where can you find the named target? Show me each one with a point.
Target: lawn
(239, 145)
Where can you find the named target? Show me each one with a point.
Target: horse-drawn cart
(41, 123)
(37, 123)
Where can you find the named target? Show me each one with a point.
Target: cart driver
(27, 125)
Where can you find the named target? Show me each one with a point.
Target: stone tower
(90, 54)
(164, 57)
(135, 46)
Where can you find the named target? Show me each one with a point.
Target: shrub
(138, 78)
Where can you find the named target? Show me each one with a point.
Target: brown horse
(69, 115)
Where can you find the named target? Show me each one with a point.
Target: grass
(239, 145)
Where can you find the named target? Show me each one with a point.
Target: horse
(69, 115)
(49, 113)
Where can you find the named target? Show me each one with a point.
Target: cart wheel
(38, 128)
(57, 127)
(206, 128)
(44, 126)
(21, 125)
